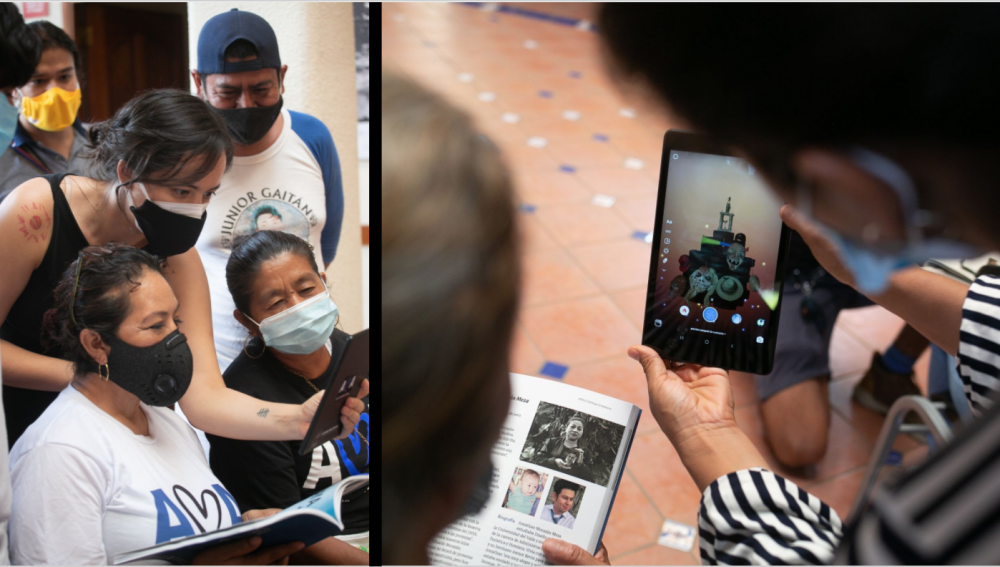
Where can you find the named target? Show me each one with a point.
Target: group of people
(874, 122)
(166, 268)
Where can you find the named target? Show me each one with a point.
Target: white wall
(316, 41)
(364, 221)
(55, 13)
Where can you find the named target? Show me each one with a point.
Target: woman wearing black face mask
(107, 469)
(155, 166)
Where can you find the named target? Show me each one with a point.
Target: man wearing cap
(285, 162)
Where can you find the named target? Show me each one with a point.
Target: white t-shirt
(293, 186)
(87, 489)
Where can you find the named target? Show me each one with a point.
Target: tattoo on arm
(262, 412)
(34, 222)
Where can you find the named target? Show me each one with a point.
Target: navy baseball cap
(221, 31)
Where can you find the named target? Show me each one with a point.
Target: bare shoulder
(26, 218)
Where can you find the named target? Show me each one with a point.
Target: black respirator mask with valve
(158, 375)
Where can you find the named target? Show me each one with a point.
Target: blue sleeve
(319, 141)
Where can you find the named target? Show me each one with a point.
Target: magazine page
(309, 521)
(556, 467)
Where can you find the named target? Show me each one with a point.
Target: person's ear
(124, 174)
(249, 325)
(94, 345)
(846, 197)
(281, 77)
(322, 276)
(197, 83)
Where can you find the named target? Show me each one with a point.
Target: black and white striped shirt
(945, 511)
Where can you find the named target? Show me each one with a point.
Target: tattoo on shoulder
(34, 221)
(262, 412)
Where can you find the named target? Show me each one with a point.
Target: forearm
(218, 410)
(929, 302)
(330, 551)
(25, 369)
(717, 452)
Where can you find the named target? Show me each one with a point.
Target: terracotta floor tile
(657, 468)
(874, 326)
(848, 355)
(585, 154)
(617, 265)
(551, 275)
(533, 235)
(619, 182)
(579, 223)
(657, 555)
(633, 522)
(543, 188)
(839, 492)
(632, 303)
(524, 356)
(580, 330)
(639, 212)
(864, 421)
(526, 159)
(619, 377)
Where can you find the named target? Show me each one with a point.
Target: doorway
(127, 48)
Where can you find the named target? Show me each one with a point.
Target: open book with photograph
(315, 518)
(557, 465)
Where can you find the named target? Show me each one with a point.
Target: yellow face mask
(53, 110)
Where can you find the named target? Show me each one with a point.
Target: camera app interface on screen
(715, 291)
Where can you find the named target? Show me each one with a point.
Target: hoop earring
(248, 353)
(107, 371)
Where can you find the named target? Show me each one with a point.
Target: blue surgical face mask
(8, 122)
(871, 269)
(302, 328)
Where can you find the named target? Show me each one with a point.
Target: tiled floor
(585, 264)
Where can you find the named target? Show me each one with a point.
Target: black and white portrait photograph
(573, 443)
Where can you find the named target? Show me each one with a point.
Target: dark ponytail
(160, 131)
(99, 300)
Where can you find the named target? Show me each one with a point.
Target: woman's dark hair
(99, 300)
(250, 252)
(53, 37)
(20, 48)
(160, 131)
(790, 75)
(450, 291)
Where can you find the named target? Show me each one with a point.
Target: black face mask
(167, 234)
(249, 125)
(158, 375)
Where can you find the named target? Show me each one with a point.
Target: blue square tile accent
(545, 94)
(526, 208)
(640, 235)
(575, 74)
(600, 137)
(553, 370)
(894, 458)
(567, 169)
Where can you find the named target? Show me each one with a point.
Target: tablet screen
(715, 291)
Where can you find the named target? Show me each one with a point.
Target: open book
(314, 519)
(557, 465)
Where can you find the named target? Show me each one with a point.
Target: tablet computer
(350, 371)
(717, 262)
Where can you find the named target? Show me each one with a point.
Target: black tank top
(23, 326)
